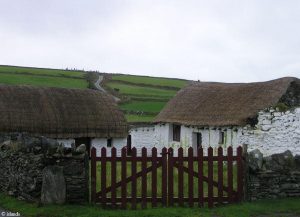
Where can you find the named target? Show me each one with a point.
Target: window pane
(199, 140)
(109, 142)
(176, 133)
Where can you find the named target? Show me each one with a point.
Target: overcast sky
(229, 41)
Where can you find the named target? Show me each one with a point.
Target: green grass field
(268, 208)
(139, 118)
(151, 106)
(43, 81)
(147, 95)
(13, 75)
(141, 91)
(150, 80)
(40, 71)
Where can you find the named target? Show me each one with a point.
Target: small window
(199, 140)
(176, 133)
(221, 138)
(128, 147)
(109, 142)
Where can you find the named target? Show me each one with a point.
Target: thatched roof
(60, 113)
(226, 104)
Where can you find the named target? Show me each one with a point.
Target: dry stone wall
(275, 176)
(275, 132)
(25, 160)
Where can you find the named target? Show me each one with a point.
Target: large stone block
(54, 186)
(266, 127)
(282, 162)
(266, 122)
(297, 162)
(277, 114)
(255, 160)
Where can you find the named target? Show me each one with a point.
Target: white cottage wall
(161, 136)
(275, 132)
(210, 137)
(143, 136)
(66, 142)
(99, 143)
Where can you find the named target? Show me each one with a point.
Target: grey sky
(226, 40)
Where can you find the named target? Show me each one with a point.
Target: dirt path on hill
(99, 87)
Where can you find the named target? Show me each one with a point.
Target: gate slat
(220, 175)
(239, 173)
(200, 177)
(180, 176)
(93, 174)
(164, 177)
(154, 177)
(191, 176)
(113, 176)
(170, 178)
(210, 177)
(123, 179)
(134, 178)
(230, 174)
(103, 177)
(144, 178)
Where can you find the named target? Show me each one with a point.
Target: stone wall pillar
(25, 168)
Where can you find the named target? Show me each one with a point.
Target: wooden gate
(163, 179)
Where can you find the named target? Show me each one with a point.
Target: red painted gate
(163, 179)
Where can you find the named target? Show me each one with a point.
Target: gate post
(93, 175)
(87, 176)
(170, 177)
(246, 172)
(164, 177)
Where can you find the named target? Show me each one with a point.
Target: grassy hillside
(150, 80)
(42, 77)
(133, 90)
(142, 97)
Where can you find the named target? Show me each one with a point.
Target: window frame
(199, 143)
(221, 138)
(176, 129)
(129, 145)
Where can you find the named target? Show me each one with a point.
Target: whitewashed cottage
(264, 115)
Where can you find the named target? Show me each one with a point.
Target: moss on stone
(282, 107)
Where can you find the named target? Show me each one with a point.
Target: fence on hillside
(161, 179)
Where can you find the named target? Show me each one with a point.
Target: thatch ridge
(223, 104)
(60, 112)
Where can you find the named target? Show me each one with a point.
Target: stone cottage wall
(23, 160)
(275, 176)
(275, 132)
